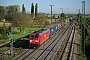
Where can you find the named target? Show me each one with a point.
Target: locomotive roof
(40, 31)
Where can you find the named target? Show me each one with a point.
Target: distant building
(56, 15)
(42, 13)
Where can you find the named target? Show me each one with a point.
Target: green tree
(9, 17)
(9, 10)
(12, 8)
(3, 31)
(79, 16)
(47, 23)
(2, 12)
(36, 9)
(32, 10)
(53, 16)
(23, 9)
(63, 15)
(20, 20)
(41, 20)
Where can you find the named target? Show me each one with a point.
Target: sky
(69, 6)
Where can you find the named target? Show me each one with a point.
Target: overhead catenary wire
(65, 9)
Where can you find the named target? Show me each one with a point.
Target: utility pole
(62, 12)
(83, 28)
(79, 10)
(51, 12)
(62, 9)
(67, 12)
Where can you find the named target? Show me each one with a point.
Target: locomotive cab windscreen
(33, 38)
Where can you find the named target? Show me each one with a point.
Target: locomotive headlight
(30, 40)
(36, 40)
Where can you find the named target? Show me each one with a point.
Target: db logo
(45, 35)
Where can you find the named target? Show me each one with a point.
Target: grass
(17, 52)
(79, 49)
(3, 41)
(9, 57)
(3, 48)
(79, 38)
(87, 16)
(16, 33)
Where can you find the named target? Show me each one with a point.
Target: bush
(3, 32)
(6, 37)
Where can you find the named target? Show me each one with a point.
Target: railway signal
(11, 43)
(10, 29)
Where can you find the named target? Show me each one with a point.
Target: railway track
(30, 52)
(68, 49)
(49, 44)
(45, 54)
(65, 52)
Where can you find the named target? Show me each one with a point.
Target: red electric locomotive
(38, 37)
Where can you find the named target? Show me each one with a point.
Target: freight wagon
(52, 29)
(59, 25)
(62, 23)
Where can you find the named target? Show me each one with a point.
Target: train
(39, 37)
